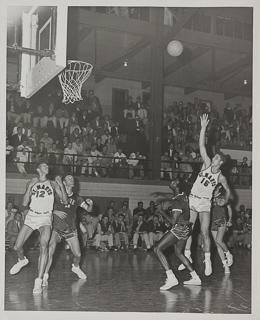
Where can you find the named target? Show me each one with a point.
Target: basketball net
(72, 78)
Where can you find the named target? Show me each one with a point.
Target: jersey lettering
(207, 179)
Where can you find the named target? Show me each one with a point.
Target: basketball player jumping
(201, 194)
(39, 195)
(64, 227)
(177, 236)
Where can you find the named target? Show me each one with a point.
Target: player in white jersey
(201, 194)
(39, 195)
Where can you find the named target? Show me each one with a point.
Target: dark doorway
(119, 98)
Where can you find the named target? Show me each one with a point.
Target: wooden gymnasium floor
(129, 282)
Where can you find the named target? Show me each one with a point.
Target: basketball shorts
(66, 234)
(218, 223)
(37, 220)
(199, 204)
(182, 231)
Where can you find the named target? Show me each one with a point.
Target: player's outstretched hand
(89, 202)
(58, 180)
(34, 180)
(60, 214)
(204, 120)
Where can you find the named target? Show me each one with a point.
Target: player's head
(42, 168)
(175, 186)
(69, 181)
(218, 159)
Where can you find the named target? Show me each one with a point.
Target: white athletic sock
(194, 274)
(170, 274)
(207, 254)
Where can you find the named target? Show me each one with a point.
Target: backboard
(44, 30)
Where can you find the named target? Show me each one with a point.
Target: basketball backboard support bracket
(35, 75)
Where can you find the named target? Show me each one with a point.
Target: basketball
(175, 48)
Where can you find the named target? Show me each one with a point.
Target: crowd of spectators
(180, 138)
(122, 229)
(79, 139)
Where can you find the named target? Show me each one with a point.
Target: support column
(156, 93)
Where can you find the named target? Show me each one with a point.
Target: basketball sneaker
(37, 285)
(229, 257)
(194, 281)
(45, 279)
(182, 266)
(208, 266)
(169, 283)
(78, 271)
(18, 266)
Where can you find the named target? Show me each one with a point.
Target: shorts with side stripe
(37, 220)
(199, 205)
(182, 231)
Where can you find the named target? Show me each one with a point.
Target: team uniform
(219, 217)
(202, 190)
(66, 228)
(41, 206)
(182, 229)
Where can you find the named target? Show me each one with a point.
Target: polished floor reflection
(129, 282)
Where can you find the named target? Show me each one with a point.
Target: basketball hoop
(72, 78)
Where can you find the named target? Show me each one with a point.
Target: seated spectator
(62, 116)
(134, 166)
(120, 159)
(142, 113)
(75, 134)
(83, 160)
(33, 141)
(140, 230)
(166, 166)
(128, 217)
(87, 130)
(96, 124)
(106, 120)
(111, 147)
(155, 229)
(93, 161)
(13, 228)
(94, 136)
(86, 142)
(244, 172)
(13, 110)
(26, 111)
(105, 162)
(104, 233)
(139, 209)
(48, 141)
(99, 144)
(9, 151)
(10, 212)
(83, 121)
(105, 138)
(40, 153)
(87, 228)
(150, 211)
(17, 139)
(50, 115)
(38, 117)
(19, 125)
(185, 168)
(70, 158)
(63, 143)
(240, 234)
(78, 146)
(73, 125)
(23, 157)
(120, 232)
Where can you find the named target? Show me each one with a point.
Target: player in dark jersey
(181, 229)
(64, 227)
(221, 219)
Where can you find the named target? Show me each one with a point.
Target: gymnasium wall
(133, 191)
(103, 90)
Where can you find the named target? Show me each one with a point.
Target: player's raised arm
(204, 122)
(87, 205)
(60, 190)
(27, 195)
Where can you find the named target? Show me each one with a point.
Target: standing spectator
(17, 139)
(94, 104)
(229, 113)
(129, 111)
(244, 172)
(139, 209)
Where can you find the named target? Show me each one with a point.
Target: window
(206, 23)
(220, 26)
(229, 28)
(197, 22)
(145, 13)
